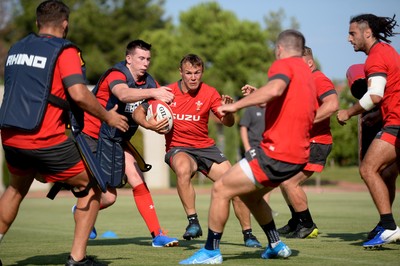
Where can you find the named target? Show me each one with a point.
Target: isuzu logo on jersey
(25, 59)
(184, 117)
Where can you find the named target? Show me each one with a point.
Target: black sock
(270, 232)
(305, 218)
(213, 240)
(193, 219)
(294, 221)
(247, 234)
(387, 221)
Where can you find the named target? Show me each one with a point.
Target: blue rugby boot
(384, 236)
(204, 256)
(251, 241)
(279, 251)
(162, 240)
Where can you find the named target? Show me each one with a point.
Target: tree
(345, 138)
(100, 28)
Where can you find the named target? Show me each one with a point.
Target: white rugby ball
(162, 110)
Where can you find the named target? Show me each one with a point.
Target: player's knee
(107, 199)
(365, 171)
(218, 188)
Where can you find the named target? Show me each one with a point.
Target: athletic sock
(305, 218)
(213, 240)
(294, 221)
(192, 218)
(247, 233)
(387, 221)
(271, 233)
(145, 205)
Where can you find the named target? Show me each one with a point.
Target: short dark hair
(307, 51)
(137, 44)
(193, 59)
(292, 39)
(381, 27)
(51, 12)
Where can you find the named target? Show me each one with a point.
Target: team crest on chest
(198, 105)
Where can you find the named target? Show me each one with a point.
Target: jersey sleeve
(70, 65)
(375, 65)
(280, 70)
(115, 78)
(324, 86)
(215, 103)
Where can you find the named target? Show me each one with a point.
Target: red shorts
(56, 163)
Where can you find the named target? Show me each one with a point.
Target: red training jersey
(383, 60)
(288, 118)
(191, 113)
(321, 132)
(52, 130)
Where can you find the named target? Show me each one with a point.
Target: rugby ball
(163, 110)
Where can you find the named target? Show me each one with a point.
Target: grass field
(42, 233)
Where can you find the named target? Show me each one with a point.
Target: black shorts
(318, 155)
(204, 157)
(55, 163)
(266, 170)
(390, 134)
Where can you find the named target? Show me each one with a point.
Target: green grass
(42, 233)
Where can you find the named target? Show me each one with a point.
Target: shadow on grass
(59, 259)
(252, 254)
(357, 239)
(142, 241)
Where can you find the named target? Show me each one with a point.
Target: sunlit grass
(42, 233)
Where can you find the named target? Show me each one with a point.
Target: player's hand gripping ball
(163, 110)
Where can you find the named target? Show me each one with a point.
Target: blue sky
(325, 24)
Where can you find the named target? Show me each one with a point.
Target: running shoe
(287, 229)
(88, 261)
(251, 241)
(163, 240)
(279, 251)
(93, 233)
(384, 236)
(374, 232)
(192, 231)
(304, 232)
(204, 256)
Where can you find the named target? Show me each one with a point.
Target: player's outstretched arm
(129, 95)
(86, 100)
